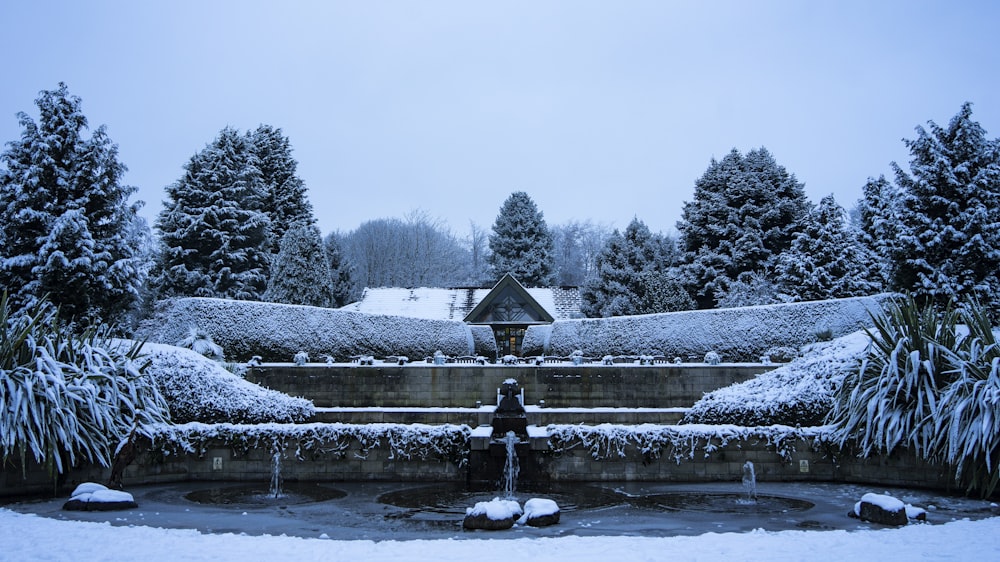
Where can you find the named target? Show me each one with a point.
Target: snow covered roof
(436, 303)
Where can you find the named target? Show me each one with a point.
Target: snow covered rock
(91, 496)
(539, 512)
(494, 515)
(881, 509)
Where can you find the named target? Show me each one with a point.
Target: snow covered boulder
(494, 515)
(881, 509)
(91, 496)
(539, 512)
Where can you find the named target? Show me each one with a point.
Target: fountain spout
(509, 415)
(749, 482)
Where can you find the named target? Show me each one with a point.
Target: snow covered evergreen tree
(743, 216)
(65, 218)
(826, 260)
(521, 243)
(663, 291)
(948, 245)
(620, 285)
(216, 241)
(341, 270)
(300, 273)
(283, 192)
(878, 225)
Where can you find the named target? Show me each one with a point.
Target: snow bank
(30, 537)
(736, 334)
(799, 393)
(199, 389)
(276, 332)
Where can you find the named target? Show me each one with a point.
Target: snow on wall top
(435, 303)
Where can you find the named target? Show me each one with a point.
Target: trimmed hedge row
(276, 332)
(736, 334)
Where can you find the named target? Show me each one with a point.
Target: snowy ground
(29, 537)
(364, 529)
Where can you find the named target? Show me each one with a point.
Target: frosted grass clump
(69, 398)
(930, 384)
(200, 341)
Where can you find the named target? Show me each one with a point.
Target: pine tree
(621, 283)
(743, 216)
(341, 270)
(300, 273)
(878, 225)
(65, 217)
(215, 241)
(662, 291)
(521, 243)
(948, 246)
(825, 260)
(283, 192)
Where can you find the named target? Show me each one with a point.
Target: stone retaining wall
(724, 464)
(560, 386)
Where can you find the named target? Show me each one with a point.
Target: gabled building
(508, 308)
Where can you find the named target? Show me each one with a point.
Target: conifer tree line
(238, 224)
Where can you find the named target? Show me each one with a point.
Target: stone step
(483, 415)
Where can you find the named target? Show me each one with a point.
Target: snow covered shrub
(509, 359)
(931, 385)
(799, 393)
(68, 398)
(200, 341)
(608, 360)
(738, 334)
(782, 353)
(421, 442)
(826, 334)
(712, 358)
(198, 389)
(301, 358)
(278, 331)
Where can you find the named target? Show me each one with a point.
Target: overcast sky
(598, 110)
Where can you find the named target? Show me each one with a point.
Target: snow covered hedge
(199, 389)
(799, 393)
(736, 334)
(679, 442)
(276, 332)
(446, 442)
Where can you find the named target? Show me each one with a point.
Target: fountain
(749, 483)
(511, 467)
(509, 415)
(275, 488)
